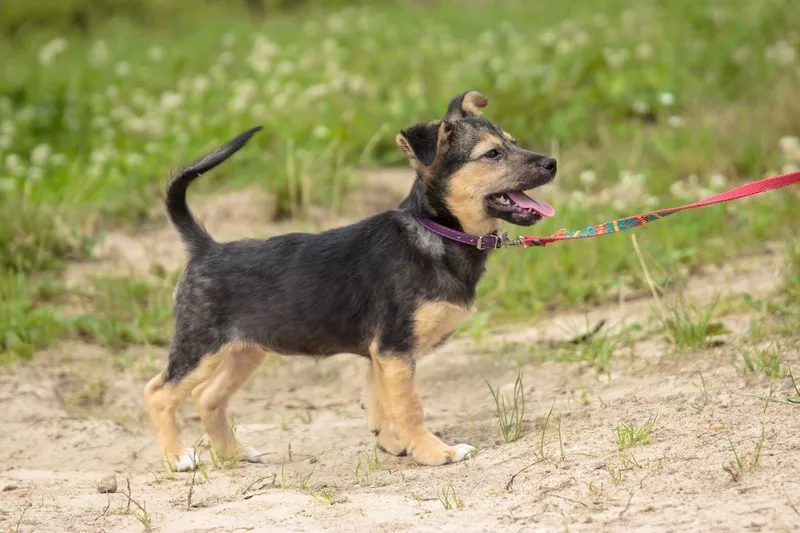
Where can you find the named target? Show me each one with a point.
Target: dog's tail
(192, 232)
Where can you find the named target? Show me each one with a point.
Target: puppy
(387, 288)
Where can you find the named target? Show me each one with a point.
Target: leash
(493, 241)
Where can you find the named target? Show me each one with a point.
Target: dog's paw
(463, 452)
(433, 452)
(252, 455)
(187, 461)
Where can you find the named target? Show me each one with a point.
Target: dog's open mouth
(519, 203)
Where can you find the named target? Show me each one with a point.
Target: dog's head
(476, 171)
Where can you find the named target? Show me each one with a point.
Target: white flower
(741, 54)
(666, 99)
(51, 49)
(14, 164)
(40, 154)
(171, 100)
(336, 23)
(122, 69)
(228, 40)
(640, 107)
(285, 67)
(674, 121)
(588, 177)
(156, 53)
(790, 147)
(548, 38)
(782, 53)
(280, 100)
(112, 92)
(577, 199)
(99, 53)
(718, 181)
(644, 51)
(329, 46)
(316, 92)
(133, 159)
(225, 58)
(320, 132)
(580, 38)
(35, 174)
(200, 84)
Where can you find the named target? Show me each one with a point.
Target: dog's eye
(492, 154)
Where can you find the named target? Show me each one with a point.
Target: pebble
(107, 485)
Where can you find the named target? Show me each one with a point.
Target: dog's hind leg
(237, 363)
(163, 396)
(377, 420)
(394, 377)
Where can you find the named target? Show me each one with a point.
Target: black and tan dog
(385, 288)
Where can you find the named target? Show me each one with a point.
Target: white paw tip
(188, 461)
(252, 455)
(463, 451)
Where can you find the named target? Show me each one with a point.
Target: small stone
(107, 485)
(10, 487)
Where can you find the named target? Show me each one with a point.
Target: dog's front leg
(394, 379)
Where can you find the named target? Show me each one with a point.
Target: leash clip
(505, 242)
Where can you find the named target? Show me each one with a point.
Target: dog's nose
(548, 163)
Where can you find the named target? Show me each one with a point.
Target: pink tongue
(523, 200)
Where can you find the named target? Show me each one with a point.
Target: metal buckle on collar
(500, 241)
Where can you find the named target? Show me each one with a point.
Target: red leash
(622, 224)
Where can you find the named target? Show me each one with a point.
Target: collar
(490, 241)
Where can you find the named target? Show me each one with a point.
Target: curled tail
(192, 232)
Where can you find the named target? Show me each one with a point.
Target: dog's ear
(467, 104)
(425, 145)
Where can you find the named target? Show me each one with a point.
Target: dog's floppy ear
(467, 104)
(425, 145)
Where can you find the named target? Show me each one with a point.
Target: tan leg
(238, 362)
(377, 420)
(394, 376)
(162, 400)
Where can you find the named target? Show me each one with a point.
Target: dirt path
(75, 415)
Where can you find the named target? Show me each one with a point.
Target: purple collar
(482, 242)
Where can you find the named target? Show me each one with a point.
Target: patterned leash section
(622, 224)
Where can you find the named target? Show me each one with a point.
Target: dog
(386, 288)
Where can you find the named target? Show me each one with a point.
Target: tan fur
(377, 419)
(211, 397)
(509, 137)
(473, 102)
(470, 185)
(163, 399)
(435, 320)
(394, 377)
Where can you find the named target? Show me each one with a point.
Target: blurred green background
(646, 104)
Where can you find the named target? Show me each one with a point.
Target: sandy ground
(75, 415)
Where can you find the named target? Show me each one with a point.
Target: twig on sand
(511, 481)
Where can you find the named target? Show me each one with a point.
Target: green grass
(633, 99)
(25, 324)
(628, 434)
(510, 412)
(126, 311)
(765, 360)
